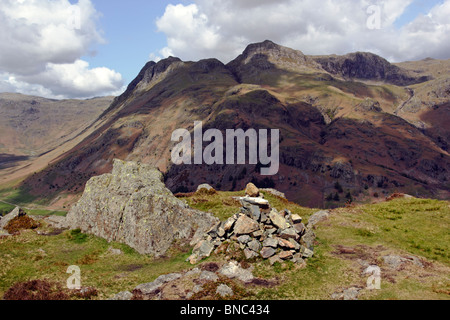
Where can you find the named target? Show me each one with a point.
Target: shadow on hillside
(10, 160)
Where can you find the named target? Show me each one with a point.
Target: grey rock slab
(244, 239)
(132, 205)
(209, 276)
(255, 245)
(308, 239)
(245, 226)
(278, 220)
(148, 288)
(232, 270)
(289, 233)
(271, 242)
(204, 186)
(224, 291)
(267, 252)
(296, 219)
(229, 224)
(250, 254)
(255, 201)
(317, 217)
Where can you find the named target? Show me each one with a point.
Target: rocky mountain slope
(350, 127)
(32, 127)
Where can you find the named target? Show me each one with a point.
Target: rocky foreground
(261, 232)
(132, 206)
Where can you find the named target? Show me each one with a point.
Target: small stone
(116, 252)
(257, 234)
(221, 232)
(317, 217)
(270, 242)
(195, 290)
(203, 249)
(278, 220)
(351, 294)
(307, 253)
(244, 239)
(264, 217)
(300, 228)
(255, 245)
(308, 239)
(270, 231)
(250, 254)
(213, 232)
(296, 219)
(295, 244)
(290, 233)
(205, 186)
(224, 291)
(148, 288)
(267, 252)
(245, 226)
(285, 244)
(286, 255)
(275, 259)
(251, 190)
(298, 258)
(233, 270)
(229, 224)
(257, 201)
(209, 276)
(255, 213)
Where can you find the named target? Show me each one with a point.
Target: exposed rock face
(268, 56)
(366, 66)
(369, 105)
(132, 206)
(262, 231)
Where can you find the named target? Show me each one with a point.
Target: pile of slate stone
(260, 231)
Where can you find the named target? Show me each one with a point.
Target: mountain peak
(267, 55)
(366, 66)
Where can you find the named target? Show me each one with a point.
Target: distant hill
(31, 127)
(352, 127)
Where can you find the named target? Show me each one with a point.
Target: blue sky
(131, 33)
(417, 8)
(85, 48)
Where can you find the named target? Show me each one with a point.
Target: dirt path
(412, 95)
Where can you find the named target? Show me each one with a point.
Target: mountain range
(353, 127)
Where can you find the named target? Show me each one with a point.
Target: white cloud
(41, 44)
(223, 28)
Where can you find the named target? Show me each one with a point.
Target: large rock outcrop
(132, 206)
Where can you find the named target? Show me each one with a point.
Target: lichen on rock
(131, 205)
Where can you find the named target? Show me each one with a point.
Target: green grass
(419, 226)
(18, 196)
(405, 226)
(223, 206)
(45, 213)
(30, 257)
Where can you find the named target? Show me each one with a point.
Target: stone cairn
(260, 231)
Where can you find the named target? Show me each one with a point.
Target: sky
(86, 48)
